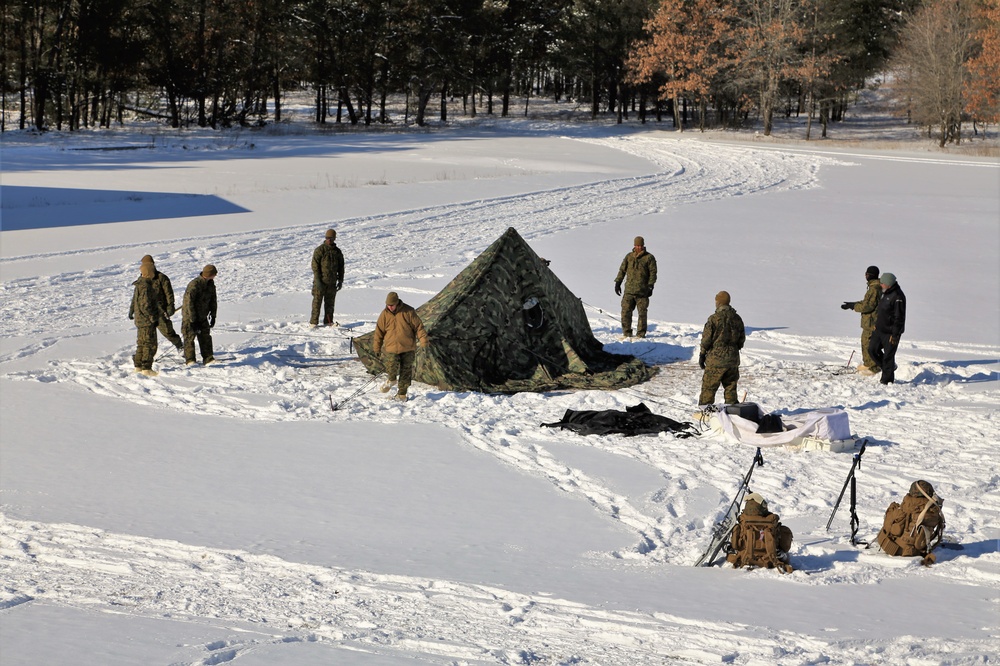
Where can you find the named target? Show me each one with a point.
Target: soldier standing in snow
(328, 278)
(721, 342)
(890, 322)
(638, 270)
(867, 307)
(397, 331)
(165, 292)
(146, 312)
(200, 308)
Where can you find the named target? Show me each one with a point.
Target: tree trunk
(276, 91)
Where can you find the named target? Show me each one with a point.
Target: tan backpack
(914, 527)
(759, 539)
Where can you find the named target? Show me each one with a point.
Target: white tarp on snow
(824, 424)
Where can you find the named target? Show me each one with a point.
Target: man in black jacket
(890, 322)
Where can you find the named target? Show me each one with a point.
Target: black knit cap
(872, 272)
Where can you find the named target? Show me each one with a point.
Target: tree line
(69, 64)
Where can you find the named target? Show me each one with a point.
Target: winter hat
(872, 272)
(392, 298)
(147, 270)
(639, 241)
(722, 298)
(331, 234)
(888, 279)
(148, 259)
(209, 271)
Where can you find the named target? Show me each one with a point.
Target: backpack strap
(930, 501)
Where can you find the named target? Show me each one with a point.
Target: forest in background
(72, 64)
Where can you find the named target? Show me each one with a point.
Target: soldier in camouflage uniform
(638, 270)
(721, 342)
(165, 292)
(146, 312)
(396, 332)
(328, 278)
(868, 308)
(200, 308)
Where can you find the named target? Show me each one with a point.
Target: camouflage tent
(507, 324)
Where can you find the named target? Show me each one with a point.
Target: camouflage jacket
(397, 332)
(327, 267)
(640, 269)
(723, 338)
(869, 305)
(145, 307)
(164, 292)
(200, 301)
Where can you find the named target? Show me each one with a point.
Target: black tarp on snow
(638, 420)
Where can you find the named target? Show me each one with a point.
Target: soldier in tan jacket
(396, 333)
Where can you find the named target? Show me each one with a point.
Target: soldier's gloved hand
(171, 311)
(211, 321)
(340, 285)
(892, 340)
(650, 291)
(618, 288)
(701, 361)
(848, 305)
(131, 315)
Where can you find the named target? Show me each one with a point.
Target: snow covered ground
(227, 514)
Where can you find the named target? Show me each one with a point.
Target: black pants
(883, 353)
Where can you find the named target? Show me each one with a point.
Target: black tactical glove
(211, 320)
(340, 285)
(618, 288)
(848, 305)
(131, 316)
(650, 291)
(701, 361)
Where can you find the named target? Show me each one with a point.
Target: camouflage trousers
(145, 347)
(713, 377)
(641, 305)
(325, 300)
(197, 331)
(866, 356)
(400, 366)
(166, 328)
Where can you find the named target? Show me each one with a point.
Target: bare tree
(930, 65)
